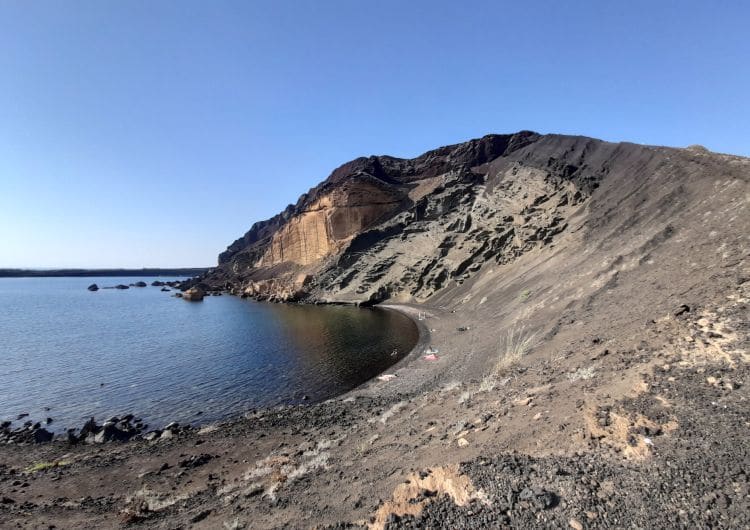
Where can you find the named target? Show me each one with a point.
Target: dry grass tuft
(146, 502)
(388, 414)
(488, 384)
(451, 386)
(517, 343)
(269, 474)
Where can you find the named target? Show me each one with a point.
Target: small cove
(69, 354)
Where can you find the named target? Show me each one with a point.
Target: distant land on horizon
(43, 273)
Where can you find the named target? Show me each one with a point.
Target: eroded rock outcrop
(282, 258)
(324, 226)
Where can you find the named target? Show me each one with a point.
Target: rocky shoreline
(115, 429)
(128, 427)
(650, 439)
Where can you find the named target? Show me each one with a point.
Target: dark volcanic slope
(387, 228)
(589, 305)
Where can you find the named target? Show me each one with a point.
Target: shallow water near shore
(81, 354)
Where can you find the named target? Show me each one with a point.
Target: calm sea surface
(141, 351)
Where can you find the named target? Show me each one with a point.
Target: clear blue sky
(153, 133)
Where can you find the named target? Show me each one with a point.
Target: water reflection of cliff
(343, 344)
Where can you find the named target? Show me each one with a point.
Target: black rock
(545, 500)
(140, 284)
(42, 436)
(157, 283)
(121, 286)
(71, 437)
(22, 415)
(111, 433)
(90, 427)
(93, 287)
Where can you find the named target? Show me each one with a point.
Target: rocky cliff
(588, 303)
(383, 228)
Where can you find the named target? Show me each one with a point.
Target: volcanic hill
(384, 228)
(583, 360)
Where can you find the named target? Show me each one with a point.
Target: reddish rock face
(329, 223)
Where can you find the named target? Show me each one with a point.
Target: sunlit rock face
(329, 222)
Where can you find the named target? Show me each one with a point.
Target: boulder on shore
(28, 433)
(111, 433)
(42, 436)
(157, 283)
(93, 287)
(194, 294)
(140, 284)
(121, 286)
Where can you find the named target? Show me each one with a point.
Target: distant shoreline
(31, 273)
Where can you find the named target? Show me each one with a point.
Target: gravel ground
(694, 479)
